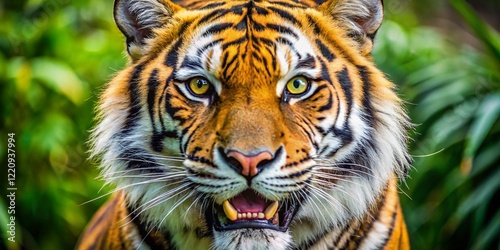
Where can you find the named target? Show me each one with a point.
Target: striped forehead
(213, 43)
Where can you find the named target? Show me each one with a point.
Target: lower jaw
(281, 223)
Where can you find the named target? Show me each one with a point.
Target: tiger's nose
(248, 165)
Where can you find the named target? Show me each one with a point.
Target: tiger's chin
(252, 238)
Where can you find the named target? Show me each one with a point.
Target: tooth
(271, 210)
(244, 215)
(276, 220)
(230, 211)
(249, 215)
(261, 215)
(254, 215)
(239, 216)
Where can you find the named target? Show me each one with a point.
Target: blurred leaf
(489, 233)
(61, 78)
(486, 34)
(486, 158)
(486, 116)
(481, 195)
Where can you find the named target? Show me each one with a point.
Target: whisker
(167, 195)
(192, 203)
(178, 203)
(130, 185)
(176, 169)
(327, 197)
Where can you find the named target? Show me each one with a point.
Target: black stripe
(172, 56)
(191, 64)
(346, 84)
(160, 101)
(135, 102)
(265, 62)
(217, 13)
(260, 10)
(171, 110)
(257, 26)
(343, 133)
(146, 235)
(376, 209)
(157, 138)
(226, 65)
(314, 24)
(338, 108)
(242, 25)
(207, 46)
(234, 42)
(283, 40)
(275, 62)
(325, 51)
(325, 75)
(258, 57)
(317, 90)
(285, 15)
(224, 58)
(238, 9)
(185, 145)
(328, 105)
(225, 74)
(309, 132)
(367, 105)
(266, 41)
(208, 17)
(217, 28)
(392, 227)
(308, 62)
(282, 29)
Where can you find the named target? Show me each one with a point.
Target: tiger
(250, 124)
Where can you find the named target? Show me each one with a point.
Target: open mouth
(249, 210)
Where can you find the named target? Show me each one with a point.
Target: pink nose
(249, 165)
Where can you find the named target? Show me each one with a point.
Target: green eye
(198, 85)
(297, 85)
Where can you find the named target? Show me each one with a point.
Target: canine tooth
(261, 215)
(230, 211)
(271, 210)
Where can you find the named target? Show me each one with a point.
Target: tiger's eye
(199, 85)
(297, 85)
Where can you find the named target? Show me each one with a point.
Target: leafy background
(55, 56)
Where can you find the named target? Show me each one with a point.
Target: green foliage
(54, 58)
(56, 55)
(453, 95)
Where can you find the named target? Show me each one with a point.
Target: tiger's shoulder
(115, 227)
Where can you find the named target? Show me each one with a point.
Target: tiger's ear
(136, 19)
(361, 17)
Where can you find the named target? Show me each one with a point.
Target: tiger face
(250, 124)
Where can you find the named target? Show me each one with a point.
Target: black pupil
(200, 83)
(297, 83)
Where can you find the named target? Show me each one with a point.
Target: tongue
(248, 201)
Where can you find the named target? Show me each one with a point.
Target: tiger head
(250, 123)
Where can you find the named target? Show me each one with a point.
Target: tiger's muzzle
(250, 209)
